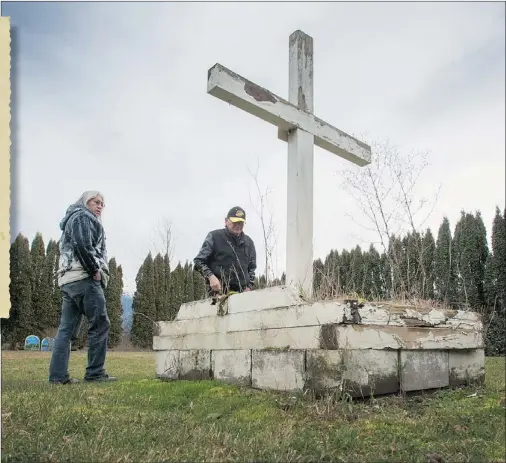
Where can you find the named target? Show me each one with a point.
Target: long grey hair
(86, 196)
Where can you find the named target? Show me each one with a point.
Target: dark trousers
(83, 297)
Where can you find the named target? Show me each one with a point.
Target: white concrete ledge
(260, 300)
(264, 299)
(330, 336)
(194, 310)
(281, 307)
(307, 337)
(397, 337)
(283, 317)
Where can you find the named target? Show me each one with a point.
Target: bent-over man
(227, 258)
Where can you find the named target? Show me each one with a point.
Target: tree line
(36, 299)
(457, 270)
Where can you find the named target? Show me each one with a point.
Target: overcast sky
(113, 97)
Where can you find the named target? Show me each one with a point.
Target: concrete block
(467, 367)
(278, 370)
(195, 364)
(167, 364)
(264, 299)
(398, 337)
(306, 337)
(395, 315)
(427, 369)
(329, 336)
(360, 373)
(196, 309)
(232, 366)
(244, 314)
(285, 317)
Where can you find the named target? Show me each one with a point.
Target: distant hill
(127, 316)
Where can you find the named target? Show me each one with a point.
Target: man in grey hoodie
(83, 275)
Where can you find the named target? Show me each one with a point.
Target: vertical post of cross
(299, 244)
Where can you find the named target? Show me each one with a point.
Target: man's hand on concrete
(214, 283)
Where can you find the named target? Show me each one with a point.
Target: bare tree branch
(164, 239)
(268, 228)
(385, 193)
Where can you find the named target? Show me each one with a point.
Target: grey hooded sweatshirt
(82, 244)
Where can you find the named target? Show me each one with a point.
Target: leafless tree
(386, 192)
(266, 220)
(164, 238)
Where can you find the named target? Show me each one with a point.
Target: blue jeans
(83, 297)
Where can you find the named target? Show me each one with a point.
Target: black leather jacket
(232, 259)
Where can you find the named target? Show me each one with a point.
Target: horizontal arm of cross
(240, 92)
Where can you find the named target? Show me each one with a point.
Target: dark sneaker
(66, 381)
(101, 378)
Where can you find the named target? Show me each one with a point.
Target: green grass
(140, 419)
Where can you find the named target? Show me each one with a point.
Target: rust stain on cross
(258, 93)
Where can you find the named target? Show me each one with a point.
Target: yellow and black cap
(236, 214)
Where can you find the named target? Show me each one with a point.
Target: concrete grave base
(271, 339)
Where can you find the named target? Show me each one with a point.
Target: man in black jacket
(227, 258)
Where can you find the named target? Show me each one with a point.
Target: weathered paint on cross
(298, 126)
(299, 225)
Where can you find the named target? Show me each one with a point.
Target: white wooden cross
(301, 129)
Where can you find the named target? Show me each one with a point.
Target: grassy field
(141, 419)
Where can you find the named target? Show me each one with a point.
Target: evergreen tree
(57, 297)
(113, 294)
(490, 285)
(51, 317)
(397, 267)
(444, 273)
(414, 254)
(470, 256)
(177, 288)
(199, 286)
(121, 301)
(344, 276)
(318, 279)
(160, 286)
(143, 305)
(386, 276)
(19, 325)
(498, 262)
(495, 282)
(166, 309)
(428, 262)
(188, 294)
(356, 280)
(41, 290)
(331, 282)
(373, 278)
